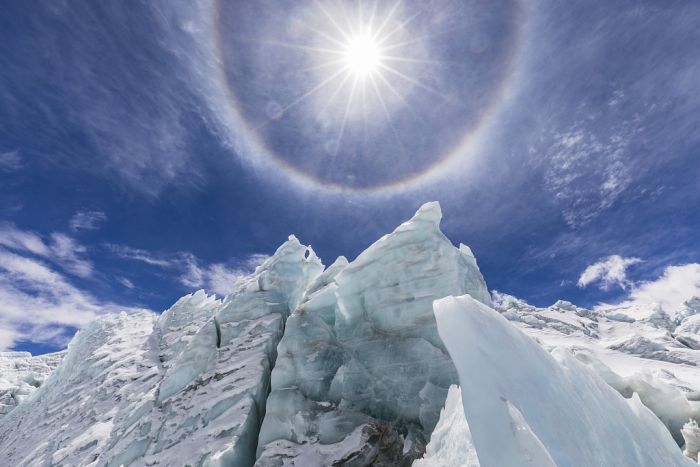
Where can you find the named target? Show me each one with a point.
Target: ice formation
(308, 366)
(186, 388)
(526, 406)
(451, 441)
(364, 350)
(648, 356)
(21, 374)
(691, 435)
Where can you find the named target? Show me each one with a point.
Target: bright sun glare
(362, 55)
(361, 64)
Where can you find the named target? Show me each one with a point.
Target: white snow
(691, 435)
(451, 441)
(526, 406)
(21, 374)
(188, 387)
(361, 374)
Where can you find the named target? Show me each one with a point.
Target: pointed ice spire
(428, 215)
(429, 212)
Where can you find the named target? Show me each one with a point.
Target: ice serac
(185, 388)
(361, 357)
(211, 401)
(653, 357)
(108, 371)
(21, 374)
(526, 405)
(451, 441)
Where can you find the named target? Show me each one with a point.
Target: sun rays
(358, 94)
(359, 64)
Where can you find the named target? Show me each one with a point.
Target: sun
(362, 64)
(362, 55)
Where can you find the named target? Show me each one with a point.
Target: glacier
(526, 406)
(363, 350)
(21, 374)
(308, 365)
(188, 387)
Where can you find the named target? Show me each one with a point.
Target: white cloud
(10, 161)
(676, 285)
(67, 253)
(126, 282)
(215, 278)
(16, 239)
(39, 304)
(608, 272)
(219, 278)
(59, 248)
(87, 220)
(136, 254)
(255, 260)
(586, 171)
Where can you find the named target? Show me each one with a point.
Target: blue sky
(148, 149)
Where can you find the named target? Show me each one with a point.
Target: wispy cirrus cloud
(133, 112)
(87, 220)
(587, 171)
(10, 161)
(58, 248)
(190, 271)
(608, 272)
(137, 254)
(126, 282)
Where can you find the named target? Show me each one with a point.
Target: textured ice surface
(526, 406)
(21, 374)
(185, 388)
(360, 372)
(649, 356)
(451, 441)
(366, 345)
(691, 435)
(106, 372)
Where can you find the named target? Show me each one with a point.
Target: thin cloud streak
(190, 271)
(59, 249)
(87, 220)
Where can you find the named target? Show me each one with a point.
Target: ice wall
(107, 371)
(527, 407)
(358, 374)
(363, 350)
(186, 388)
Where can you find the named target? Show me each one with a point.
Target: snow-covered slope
(308, 366)
(647, 356)
(186, 388)
(21, 374)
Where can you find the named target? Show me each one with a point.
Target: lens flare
(363, 55)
